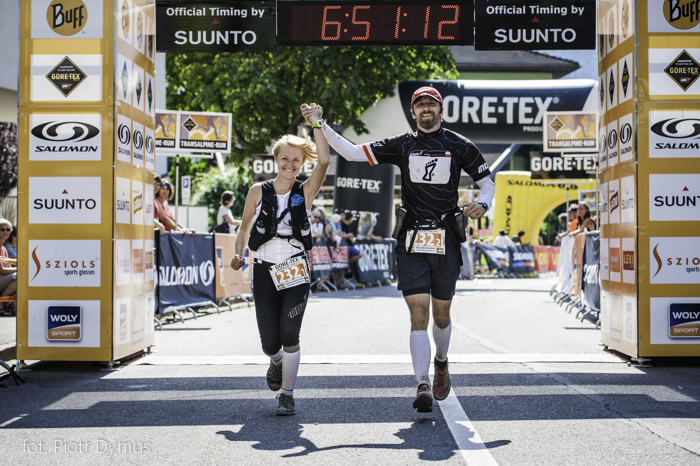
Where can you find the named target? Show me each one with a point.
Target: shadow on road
(420, 436)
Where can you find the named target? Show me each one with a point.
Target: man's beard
(428, 124)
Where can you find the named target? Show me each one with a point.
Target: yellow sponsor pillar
(72, 286)
(650, 184)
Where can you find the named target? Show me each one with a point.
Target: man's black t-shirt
(430, 165)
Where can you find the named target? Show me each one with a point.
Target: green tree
(264, 90)
(208, 187)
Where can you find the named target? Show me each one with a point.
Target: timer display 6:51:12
(375, 23)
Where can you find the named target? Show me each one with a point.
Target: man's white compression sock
(420, 354)
(442, 341)
(290, 368)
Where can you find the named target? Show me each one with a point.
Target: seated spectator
(366, 228)
(8, 273)
(316, 226)
(502, 239)
(11, 244)
(225, 223)
(165, 193)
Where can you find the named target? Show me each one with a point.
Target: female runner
(276, 228)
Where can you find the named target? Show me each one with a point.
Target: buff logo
(67, 17)
(684, 320)
(63, 323)
(682, 14)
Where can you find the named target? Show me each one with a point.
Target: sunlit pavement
(531, 385)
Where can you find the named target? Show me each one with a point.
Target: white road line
(468, 440)
(487, 358)
(7, 423)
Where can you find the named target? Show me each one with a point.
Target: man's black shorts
(435, 272)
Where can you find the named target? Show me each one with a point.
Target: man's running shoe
(441, 382)
(423, 402)
(274, 376)
(286, 405)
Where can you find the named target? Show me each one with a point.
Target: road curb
(8, 351)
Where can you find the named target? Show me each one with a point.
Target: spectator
(518, 239)
(349, 224)
(225, 223)
(573, 221)
(157, 181)
(316, 226)
(165, 193)
(562, 230)
(584, 219)
(8, 273)
(502, 239)
(11, 244)
(366, 228)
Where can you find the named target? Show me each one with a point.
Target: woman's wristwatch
(317, 124)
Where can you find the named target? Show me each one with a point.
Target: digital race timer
(375, 23)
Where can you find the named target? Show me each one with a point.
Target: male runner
(428, 248)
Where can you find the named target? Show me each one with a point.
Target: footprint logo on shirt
(429, 169)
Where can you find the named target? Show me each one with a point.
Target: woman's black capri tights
(279, 313)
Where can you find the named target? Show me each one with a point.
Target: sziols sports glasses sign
(675, 261)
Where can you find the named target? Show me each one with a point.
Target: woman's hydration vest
(265, 226)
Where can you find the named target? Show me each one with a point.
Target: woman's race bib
(290, 273)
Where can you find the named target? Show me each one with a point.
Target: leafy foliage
(8, 158)
(209, 186)
(264, 90)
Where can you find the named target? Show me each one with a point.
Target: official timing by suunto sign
(535, 25)
(216, 26)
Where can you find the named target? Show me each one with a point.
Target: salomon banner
(361, 188)
(185, 271)
(591, 268)
(535, 25)
(522, 259)
(193, 26)
(377, 261)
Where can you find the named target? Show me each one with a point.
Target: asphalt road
(531, 386)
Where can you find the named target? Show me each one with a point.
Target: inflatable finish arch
(523, 204)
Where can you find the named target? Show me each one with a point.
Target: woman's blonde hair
(306, 145)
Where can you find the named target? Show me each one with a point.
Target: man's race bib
(427, 241)
(430, 166)
(289, 273)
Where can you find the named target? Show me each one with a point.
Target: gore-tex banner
(185, 270)
(499, 112)
(377, 261)
(535, 25)
(215, 26)
(361, 188)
